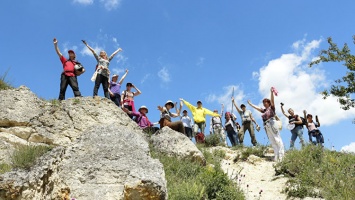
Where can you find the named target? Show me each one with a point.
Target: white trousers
(220, 131)
(273, 134)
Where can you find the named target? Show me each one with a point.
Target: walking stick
(232, 96)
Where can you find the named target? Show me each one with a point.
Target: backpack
(304, 121)
(200, 138)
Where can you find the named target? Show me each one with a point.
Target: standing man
(216, 126)
(186, 120)
(247, 119)
(69, 75)
(199, 115)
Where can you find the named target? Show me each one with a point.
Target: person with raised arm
(115, 88)
(295, 126)
(313, 130)
(166, 115)
(103, 73)
(199, 115)
(270, 125)
(247, 119)
(127, 97)
(216, 126)
(69, 74)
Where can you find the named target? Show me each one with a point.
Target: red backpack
(200, 138)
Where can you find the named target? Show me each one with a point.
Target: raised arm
(123, 77)
(191, 107)
(208, 112)
(90, 48)
(283, 111)
(138, 91)
(235, 105)
(272, 97)
(178, 111)
(305, 114)
(222, 110)
(114, 53)
(317, 120)
(211, 126)
(55, 42)
(255, 107)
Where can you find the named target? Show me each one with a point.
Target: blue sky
(197, 50)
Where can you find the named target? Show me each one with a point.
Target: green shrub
(190, 180)
(5, 168)
(25, 155)
(213, 140)
(4, 84)
(257, 151)
(318, 172)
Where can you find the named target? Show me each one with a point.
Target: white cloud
(86, 52)
(84, 2)
(200, 61)
(299, 85)
(349, 148)
(164, 75)
(111, 4)
(145, 78)
(226, 95)
(67, 46)
(117, 70)
(255, 75)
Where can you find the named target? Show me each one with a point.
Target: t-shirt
(268, 113)
(312, 126)
(246, 116)
(165, 114)
(115, 87)
(104, 63)
(186, 120)
(293, 119)
(68, 66)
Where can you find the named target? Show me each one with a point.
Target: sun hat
(170, 102)
(115, 75)
(143, 107)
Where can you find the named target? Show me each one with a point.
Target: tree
(344, 87)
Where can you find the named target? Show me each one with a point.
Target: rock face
(107, 162)
(31, 119)
(176, 144)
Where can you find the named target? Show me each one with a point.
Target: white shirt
(186, 120)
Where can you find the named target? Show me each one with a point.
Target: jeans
(250, 127)
(273, 134)
(188, 132)
(64, 82)
(232, 136)
(297, 131)
(319, 137)
(116, 98)
(100, 79)
(201, 126)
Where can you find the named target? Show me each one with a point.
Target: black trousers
(116, 99)
(100, 79)
(64, 82)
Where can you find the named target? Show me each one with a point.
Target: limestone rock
(107, 162)
(176, 144)
(18, 107)
(253, 159)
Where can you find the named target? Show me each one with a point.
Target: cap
(143, 107)
(242, 105)
(115, 75)
(129, 84)
(170, 102)
(185, 111)
(199, 102)
(71, 51)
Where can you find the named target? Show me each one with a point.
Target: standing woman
(270, 125)
(127, 97)
(229, 126)
(115, 88)
(103, 73)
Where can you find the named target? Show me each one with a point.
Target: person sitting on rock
(115, 88)
(166, 115)
(199, 115)
(216, 126)
(229, 126)
(142, 119)
(295, 125)
(127, 97)
(313, 130)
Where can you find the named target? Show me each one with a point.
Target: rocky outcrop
(107, 162)
(31, 119)
(176, 144)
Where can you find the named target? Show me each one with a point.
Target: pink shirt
(312, 126)
(268, 113)
(142, 120)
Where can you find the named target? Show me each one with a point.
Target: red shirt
(68, 67)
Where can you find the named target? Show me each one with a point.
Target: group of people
(185, 125)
